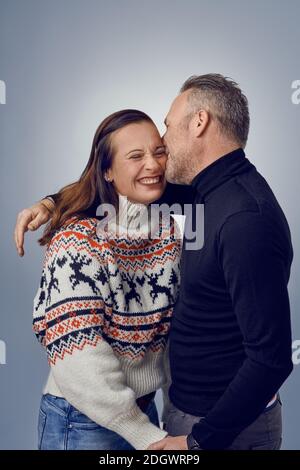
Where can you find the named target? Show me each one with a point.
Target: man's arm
(177, 194)
(173, 194)
(255, 257)
(40, 213)
(31, 218)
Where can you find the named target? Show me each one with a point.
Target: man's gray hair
(224, 99)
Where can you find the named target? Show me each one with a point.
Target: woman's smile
(151, 180)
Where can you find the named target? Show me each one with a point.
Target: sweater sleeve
(174, 195)
(255, 257)
(69, 320)
(89, 211)
(177, 194)
(54, 197)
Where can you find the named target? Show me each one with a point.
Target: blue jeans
(63, 427)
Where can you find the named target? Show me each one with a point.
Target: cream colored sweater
(103, 312)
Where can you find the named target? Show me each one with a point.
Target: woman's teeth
(150, 180)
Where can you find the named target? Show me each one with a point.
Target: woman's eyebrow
(158, 147)
(135, 150)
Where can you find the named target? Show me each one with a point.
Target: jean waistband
(63, 407)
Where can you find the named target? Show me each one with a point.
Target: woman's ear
(108, 176)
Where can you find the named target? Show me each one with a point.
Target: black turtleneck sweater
(230, 339)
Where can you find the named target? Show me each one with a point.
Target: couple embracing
(121, 317)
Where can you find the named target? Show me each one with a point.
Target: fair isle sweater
(103, 312)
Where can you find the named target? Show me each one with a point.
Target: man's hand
(31, 219)
(170, 443)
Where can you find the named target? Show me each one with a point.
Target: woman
(104, 304)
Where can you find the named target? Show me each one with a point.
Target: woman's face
(138, 163)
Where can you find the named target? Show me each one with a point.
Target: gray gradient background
(69, 63)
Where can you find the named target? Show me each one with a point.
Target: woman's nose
(151, 163)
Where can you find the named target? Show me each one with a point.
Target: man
(230, 340)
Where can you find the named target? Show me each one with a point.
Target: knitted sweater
(103, 312)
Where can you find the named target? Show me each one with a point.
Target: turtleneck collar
(132, 220)
(220, 171)
(131, 214)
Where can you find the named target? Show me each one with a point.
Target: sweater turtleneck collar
(131, 214)
(220, 171)
(132, 220)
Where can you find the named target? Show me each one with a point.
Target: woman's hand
(31, 219)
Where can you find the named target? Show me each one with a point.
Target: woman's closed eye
(160, 152)
(135, 157)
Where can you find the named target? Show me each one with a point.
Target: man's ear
(200, 122)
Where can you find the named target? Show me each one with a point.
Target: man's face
(176, 140)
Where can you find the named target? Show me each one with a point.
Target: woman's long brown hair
(77, 199)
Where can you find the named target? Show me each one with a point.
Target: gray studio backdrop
(65, 65)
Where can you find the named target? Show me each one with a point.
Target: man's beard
(177, 170)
